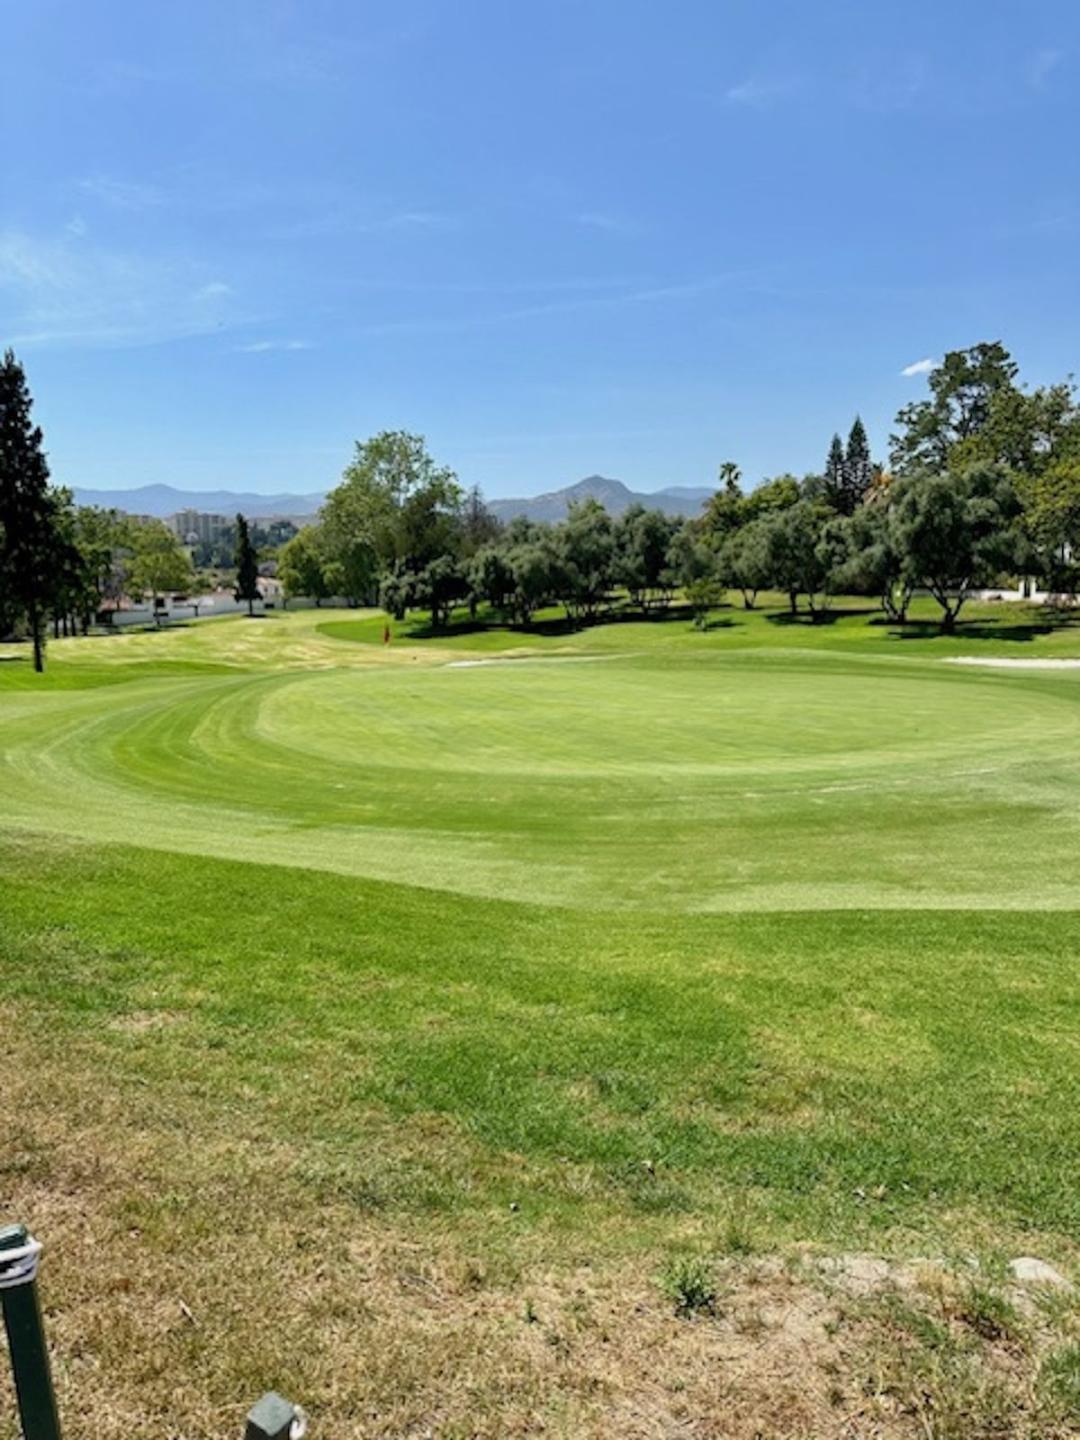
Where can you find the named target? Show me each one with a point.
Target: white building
(197, 527)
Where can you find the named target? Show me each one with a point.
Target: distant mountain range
(163, 500)
(612, 494)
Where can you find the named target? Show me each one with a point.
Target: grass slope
(443, 1005)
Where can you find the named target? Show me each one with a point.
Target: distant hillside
(162, 500)
(612, 494)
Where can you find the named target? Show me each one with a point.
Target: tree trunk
(793, 601)
(39, 644)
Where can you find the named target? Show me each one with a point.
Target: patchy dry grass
(186, 1272)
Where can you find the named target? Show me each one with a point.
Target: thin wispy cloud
(603, 300)
(24, 266)
(57, 290)
(758, 92)
(120, 77)
(919, 367)
(889, 86)
(1041, 66)
(263, 347)
(601, 220)
(122, 194)
(348, 220)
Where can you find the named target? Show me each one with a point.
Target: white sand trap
(1004, 662)
(531, 660)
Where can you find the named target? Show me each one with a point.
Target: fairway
(506, 970)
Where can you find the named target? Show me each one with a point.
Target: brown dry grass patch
(192, 1262)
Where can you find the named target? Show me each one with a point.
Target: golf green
(722, 779)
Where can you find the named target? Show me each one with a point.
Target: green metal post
(19, 1253)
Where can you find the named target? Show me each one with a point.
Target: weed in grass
(690, 1284)
(988, 1312)
(1059, 1380)
(738, 1237)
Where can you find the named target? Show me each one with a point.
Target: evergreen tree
(247, 566)
(834, 490)
(28, 511)
(858, 467)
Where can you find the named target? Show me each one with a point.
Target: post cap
(273, 1418)
(19, 1253)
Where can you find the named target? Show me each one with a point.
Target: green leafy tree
(301, 566)
(726, 508)
(694, 564)
(642, 540)
(938, 434)
(440, 586)
(955, 532)
(396, 499)
(247, 566)
(801, 559)
(771, 495)
(744, 561)
(1051, 501)
(28, 510)
(104, 540)
(869, 561)
(398, 592)
(586, 553)
(159, 563)
(703, 596)
(491, 578)
(534, 563)
(350, 566)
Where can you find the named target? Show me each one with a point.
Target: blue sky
(556, 238)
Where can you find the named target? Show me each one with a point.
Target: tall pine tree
(834, 487)
(247, 566)
(29, 540)
(858, 467)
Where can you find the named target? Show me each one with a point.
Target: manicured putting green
(657, 778)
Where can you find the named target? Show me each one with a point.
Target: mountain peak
(615, 496)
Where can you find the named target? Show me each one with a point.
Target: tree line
(982, 482)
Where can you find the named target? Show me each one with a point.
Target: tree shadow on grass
(819, 618)
(424, 630)
(974, 630)
(553, 626)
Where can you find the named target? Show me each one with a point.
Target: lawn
(408, 1032)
